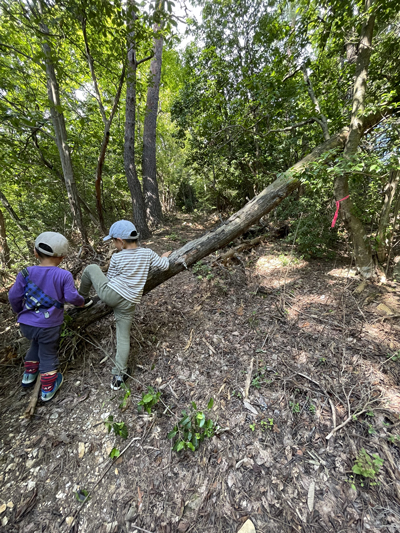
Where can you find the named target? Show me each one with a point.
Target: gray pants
(123, 312)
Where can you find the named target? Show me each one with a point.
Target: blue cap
(122, 229)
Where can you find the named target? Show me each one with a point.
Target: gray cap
(55, 244)
(122, 229)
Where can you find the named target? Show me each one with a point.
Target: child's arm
(16, 294)
(112, 269)
(71, 295)
(157, 262)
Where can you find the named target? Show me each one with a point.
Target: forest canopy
(108, 112)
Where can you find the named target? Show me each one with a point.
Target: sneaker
(117, 382)
(88, 303)
(29, 379)
(48, 395)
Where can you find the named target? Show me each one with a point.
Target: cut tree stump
(237, 224)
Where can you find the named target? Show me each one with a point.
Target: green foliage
(126, 396)
(295, 407)
(394, 439)
(119, 428)
(202, 270)
(192, 428)
(367, 466)
(267, 425)
(115, 453)
(82, 495)
(149, 400)
(395, 356)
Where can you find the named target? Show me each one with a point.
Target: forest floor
(315, 354)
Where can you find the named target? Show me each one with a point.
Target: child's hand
(166, 254)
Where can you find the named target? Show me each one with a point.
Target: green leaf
(172, 433)
(147, 398)
(180, 446)
(115, 453)
(185, 421)
(210, 403)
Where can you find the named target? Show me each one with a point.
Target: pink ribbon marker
(337, 210)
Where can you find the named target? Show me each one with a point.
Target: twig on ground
(326, 394)
(33, 401)
(244, 246)
(75, 515)
(248, 380)
(389, 316)
(367, 407)
(141, 529)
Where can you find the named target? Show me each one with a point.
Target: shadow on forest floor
(319, 354)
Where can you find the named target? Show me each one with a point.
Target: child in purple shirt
(42, 325)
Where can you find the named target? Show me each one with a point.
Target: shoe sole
(55, 392)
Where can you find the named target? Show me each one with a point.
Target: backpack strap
(25, 273)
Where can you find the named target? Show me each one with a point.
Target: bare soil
(320, 354)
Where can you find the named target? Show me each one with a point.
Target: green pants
(123, 312)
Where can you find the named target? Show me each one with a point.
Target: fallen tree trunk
(237, 224)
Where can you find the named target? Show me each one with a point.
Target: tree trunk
(238, 223)
(362, 250)
(59, 175)
(149, 168)
(107, 124)
(382, 235)
(4, 249)
(138, 205)
(23, 227)
(57, 117)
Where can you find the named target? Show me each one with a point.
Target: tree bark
(382, 234)
(149, 163)
(237, 224)
(362, 250)
(57, 117)
(138, 205)
(4, 249)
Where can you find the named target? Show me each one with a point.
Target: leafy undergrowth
(319, 355)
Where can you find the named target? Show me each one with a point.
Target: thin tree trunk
(138, 205)
(322, 118)
(362, 250)
(107, 124)
(382, 234)
(59, 175)
(23, 227)
(149, 163)
(4, 249)
(57, 117)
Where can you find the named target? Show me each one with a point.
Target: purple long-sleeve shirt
(55, 282)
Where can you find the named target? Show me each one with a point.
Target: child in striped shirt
(122, 288)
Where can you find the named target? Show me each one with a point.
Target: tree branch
(322, 121)
(145, 59)
(93, 73)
